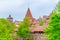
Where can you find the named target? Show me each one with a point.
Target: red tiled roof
(38, 28)
(17, 22)
(45, 16)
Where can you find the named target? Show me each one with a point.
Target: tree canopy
(53, 29)
(57, 8)
(6, 29)
(23, 29)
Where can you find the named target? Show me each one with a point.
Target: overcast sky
(18, 8)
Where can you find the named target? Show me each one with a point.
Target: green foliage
(57, 8)
(41, 23)
(23, 29)
(53, 29)
(6, 28)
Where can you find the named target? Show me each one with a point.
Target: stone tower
(10, 18)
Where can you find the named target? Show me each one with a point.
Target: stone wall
(35, 36)
(38, 36)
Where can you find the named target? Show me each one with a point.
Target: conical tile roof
(28, 14)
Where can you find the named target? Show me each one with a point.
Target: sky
(18, 8)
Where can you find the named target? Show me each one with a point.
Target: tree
(6, 28)
(53, 29)
(57, 8)
(23, 29)
(41, 22)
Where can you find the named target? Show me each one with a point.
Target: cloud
(10, 4)
(10, 7)
(42, 7)
(18, 8)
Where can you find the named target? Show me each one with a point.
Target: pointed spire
(28, 14)
(10, 18)
(9, 15)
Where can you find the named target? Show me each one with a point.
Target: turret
(10, 18)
